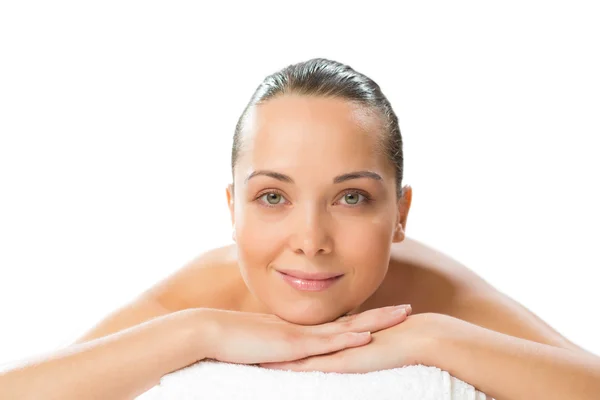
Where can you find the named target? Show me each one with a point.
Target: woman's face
(303, 204)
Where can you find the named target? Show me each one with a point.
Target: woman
(319, 217)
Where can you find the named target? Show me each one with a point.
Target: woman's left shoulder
(429, 264)
(442, 284)
(428, 279)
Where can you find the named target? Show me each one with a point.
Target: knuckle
(292, 336)
(333, 339)
(347, 324)
(327, 342)
(293, 350)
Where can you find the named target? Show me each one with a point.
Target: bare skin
(313, 225)
(419, 275)
(313, 193)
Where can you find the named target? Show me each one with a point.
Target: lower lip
(309, 285)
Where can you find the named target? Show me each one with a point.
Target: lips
(309, 282)
(312, 276)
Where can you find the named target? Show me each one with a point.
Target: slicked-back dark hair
(326, 78)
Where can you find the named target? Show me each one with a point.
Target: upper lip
(309, 275)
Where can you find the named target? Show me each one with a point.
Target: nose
(312, 236)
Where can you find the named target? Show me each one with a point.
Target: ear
(402, 215)
(230, 203)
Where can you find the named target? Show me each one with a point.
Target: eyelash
(367, 199)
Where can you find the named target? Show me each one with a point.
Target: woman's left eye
(353, 198)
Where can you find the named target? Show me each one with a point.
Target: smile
(309, 282)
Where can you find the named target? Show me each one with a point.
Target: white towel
(216, 380)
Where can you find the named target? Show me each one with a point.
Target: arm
(144, 308)
(119, 366)
(465, 295)
(198, 284)
(507, 367)
(493, 310)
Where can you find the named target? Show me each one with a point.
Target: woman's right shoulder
(212, 280)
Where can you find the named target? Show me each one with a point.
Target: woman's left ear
(403, 209)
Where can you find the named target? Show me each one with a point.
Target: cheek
(258, 241)
(366, 245)
(372, 230)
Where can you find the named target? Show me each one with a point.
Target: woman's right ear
(230, 203)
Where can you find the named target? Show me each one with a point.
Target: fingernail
(361, 334)
(403, 309)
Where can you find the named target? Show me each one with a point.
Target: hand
(408, 343)
(250, 338)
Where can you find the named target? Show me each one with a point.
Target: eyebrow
(338, 179)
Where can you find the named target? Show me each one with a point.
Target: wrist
(200, 332)
(426, 351)
(433, 341)
(446, 341)
(431, 350)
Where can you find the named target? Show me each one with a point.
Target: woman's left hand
(408, 343)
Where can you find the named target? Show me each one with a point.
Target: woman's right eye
(271, 199)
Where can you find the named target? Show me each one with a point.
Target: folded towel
(217, 380)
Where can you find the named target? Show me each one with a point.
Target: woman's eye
(272, 198)
(349, 198)
(352, 198)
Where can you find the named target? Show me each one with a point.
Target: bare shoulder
(442, 284)
(210, 280)
(429, 279)
(429, 263)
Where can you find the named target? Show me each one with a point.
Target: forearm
(119, 366)
(506, 367)
(140, 310)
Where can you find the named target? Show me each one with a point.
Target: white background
(116, 124)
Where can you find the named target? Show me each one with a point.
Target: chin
(313, 314)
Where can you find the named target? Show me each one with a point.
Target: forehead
(312, 132)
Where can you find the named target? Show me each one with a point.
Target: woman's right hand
(250, 338)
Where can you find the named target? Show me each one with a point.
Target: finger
(376, 312)
(324, 363)
(315, 363)
(372, 320)
(324, 344)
